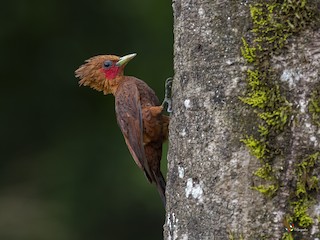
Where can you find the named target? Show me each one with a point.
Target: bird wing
(129, 118)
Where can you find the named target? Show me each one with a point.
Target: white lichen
(287, 76)
(194, 189)
(211, 147)
(278, 216)
(172, 222)
(187, 103)
(181, 171)
(303, 104)
(229, 62)
(201, 13)
(292, 77)
(183, 133)
(317, 209)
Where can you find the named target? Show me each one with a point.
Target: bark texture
(210, 172)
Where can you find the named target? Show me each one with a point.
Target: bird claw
(167, 95)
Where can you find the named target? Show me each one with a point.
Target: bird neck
(114, 84)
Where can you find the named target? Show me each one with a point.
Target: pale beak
(125, 59)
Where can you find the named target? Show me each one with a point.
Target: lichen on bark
(210, 170)
(273, 23)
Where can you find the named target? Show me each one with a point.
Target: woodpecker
(138, 112)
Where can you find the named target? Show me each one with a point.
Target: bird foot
(167, 95)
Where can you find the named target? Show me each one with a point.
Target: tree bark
(211, 176)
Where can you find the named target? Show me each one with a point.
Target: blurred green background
(65, 171)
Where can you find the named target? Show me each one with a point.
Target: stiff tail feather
(161, 187)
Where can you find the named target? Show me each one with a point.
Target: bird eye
(107, 64)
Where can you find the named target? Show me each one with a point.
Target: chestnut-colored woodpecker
(138, 111)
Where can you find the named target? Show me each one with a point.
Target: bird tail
(161, 187)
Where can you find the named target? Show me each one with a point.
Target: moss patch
(314, 107)
(267, 190)
(257, 148)
(234, 236)
(287, 236)
(263, 93)
(274, 22)
(306, 185)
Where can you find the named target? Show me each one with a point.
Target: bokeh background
(65, 171)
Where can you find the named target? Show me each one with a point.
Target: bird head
(103, 72)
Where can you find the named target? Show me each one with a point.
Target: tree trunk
(244, 155)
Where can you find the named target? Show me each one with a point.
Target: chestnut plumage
(138, 111)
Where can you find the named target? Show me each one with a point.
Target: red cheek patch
(111, 72)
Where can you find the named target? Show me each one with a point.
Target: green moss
(256, 98)
(263, 94)
(300, 190)
(274, 22)
(313, 183)
(277, 118)
(264, 172)
(263, 131)
(248, 52)
(300, 213)
(287, 236)
(314, 107)
(270, 28)
(306, 184)
(305, 167)
(233, 236)
(257, 148)
(267, 190)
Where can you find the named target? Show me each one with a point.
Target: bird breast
(152, 124)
